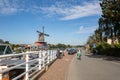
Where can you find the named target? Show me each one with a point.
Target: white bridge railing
(31, 62)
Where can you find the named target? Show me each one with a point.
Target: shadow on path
(104, 57)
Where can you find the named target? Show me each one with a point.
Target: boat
(5, 63)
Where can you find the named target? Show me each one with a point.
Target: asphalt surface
(93, 68)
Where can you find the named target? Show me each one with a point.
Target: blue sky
(66, 21)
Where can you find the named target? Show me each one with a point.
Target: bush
(106, 49)
(116, 50)
(117, 45)
(103, 48)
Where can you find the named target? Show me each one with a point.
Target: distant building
(87, 47)
(41, 45)
(115, 41)
(109, 41)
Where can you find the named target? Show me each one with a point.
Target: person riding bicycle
(79, 54)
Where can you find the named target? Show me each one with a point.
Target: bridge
(27, 64)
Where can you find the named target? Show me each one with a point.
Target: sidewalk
(58, 70)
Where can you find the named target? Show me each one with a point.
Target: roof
(41, 44)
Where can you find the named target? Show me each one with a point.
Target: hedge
(107, 49)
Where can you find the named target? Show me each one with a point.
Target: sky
(66, 21)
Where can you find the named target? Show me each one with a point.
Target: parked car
(72, 51)
(60, 53)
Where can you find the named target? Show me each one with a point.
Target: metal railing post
(48, 59)
(43, 58)
(51, 54)
(40, 53)
(54, 54)
(27, 66)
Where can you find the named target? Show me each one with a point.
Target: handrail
(43, 58)
(11, 55)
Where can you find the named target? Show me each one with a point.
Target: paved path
(93, 68)
(58, 70)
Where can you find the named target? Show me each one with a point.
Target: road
(93, 68)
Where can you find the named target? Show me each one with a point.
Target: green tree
(110, 20)
(7, 42)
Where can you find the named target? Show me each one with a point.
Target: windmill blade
(46, 34)
(38, 31)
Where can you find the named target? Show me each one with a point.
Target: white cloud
(13, 6)
(86, 30)
(75, 11)
(8, 10)
(81, 28)
(63, 10)
(8, 7)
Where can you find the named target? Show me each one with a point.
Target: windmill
(41, 40)
(41, 35)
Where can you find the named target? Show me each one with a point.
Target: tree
(59, 46)
(110, 20)
(7, 42)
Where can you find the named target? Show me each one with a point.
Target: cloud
(12, 6)
(9, 6)
(63, 10)
(74, 11)
(86, 30)
(8, 10)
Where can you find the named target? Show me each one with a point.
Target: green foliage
(117, 45)
(7, 42)
(106, 49)
(109, 23)
(116, 50)
(103, 48)
(109, 27)
(59, 46)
